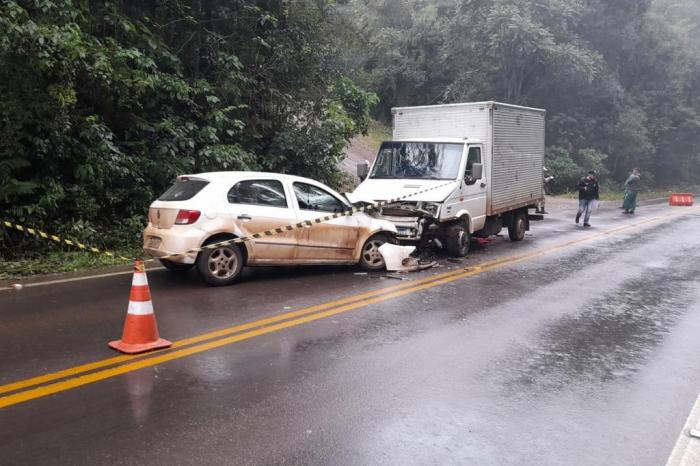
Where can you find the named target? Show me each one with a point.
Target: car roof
(234, 175)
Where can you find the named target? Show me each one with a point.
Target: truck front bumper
(407, 228)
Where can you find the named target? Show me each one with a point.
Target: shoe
(631, 212)
(578, 217)
(626, 212)
(586, 224)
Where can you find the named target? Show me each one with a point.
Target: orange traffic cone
(140, 329)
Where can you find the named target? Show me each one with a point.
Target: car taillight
(187, 217)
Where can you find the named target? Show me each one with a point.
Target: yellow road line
(208, 336)
(345, 305)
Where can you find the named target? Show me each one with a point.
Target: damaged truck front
(474, 168)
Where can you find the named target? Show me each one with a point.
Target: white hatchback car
(212, 207)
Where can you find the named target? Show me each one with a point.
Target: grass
(61, 261)
(607, 195)
(378, 133)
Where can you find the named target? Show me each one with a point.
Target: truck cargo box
(513, 139)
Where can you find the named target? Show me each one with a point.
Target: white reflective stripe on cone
(139, 279)
(140, 308)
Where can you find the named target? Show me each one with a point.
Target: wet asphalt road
(584, 350)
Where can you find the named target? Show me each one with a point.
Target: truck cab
(450, 176)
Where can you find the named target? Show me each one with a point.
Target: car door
(471, 194)
(331, 241)
(258, 205)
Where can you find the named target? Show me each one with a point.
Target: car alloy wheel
(222, 262)
(371, 258)
(221, 265)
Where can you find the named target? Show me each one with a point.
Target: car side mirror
(362, 171)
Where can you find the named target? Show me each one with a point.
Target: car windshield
(425, 160)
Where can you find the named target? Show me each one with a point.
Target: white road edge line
(687, 449)
(77, 279)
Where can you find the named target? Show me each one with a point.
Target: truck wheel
(371, 258)
(458, 240)
(175, 266)
(220, 266)
(517, 228)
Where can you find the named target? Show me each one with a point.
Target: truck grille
(398, 211)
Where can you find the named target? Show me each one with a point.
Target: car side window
(258, 192)
(312, 198)
(474, 156)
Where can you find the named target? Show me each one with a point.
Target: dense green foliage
(620, 79)
(103, 103)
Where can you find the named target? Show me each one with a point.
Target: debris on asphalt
(411, 264)
(360, 273)
(396, 276)
(394, 256)
(17, 286)
(454, 260)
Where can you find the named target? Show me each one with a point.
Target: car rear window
(183, 189)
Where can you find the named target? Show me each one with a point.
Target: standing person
(631, 190)
(587, 195)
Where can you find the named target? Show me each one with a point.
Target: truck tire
(517, 228)
(177, 267)
(220, 266)
(458, 240)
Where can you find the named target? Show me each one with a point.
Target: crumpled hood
(381, 190)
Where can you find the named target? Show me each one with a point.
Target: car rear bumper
(163, 242)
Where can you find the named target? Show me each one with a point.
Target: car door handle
(244, 217)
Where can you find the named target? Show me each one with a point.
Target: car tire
(176, 267)
(220, 266)
(370, 258)
(458, 240)
(517, 228)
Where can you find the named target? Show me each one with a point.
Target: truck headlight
(431, 208)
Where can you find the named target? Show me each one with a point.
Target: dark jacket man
(587, 192)
(588, 188)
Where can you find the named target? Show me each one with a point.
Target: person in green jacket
(631, 189)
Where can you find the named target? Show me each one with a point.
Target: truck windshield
(424, 160)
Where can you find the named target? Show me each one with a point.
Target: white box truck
(483, 161)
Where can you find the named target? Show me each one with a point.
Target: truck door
(471, 195)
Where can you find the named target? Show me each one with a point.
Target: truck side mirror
(362, 171)
(477, 171)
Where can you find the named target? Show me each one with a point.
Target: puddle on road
(418, 313)
(612, 338)
(503, 285)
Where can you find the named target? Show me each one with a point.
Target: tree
(102, 104)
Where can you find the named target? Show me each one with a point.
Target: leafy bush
(102, 104)
(567, 168)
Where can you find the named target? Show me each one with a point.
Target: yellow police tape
(57, 239)
(243, 239)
